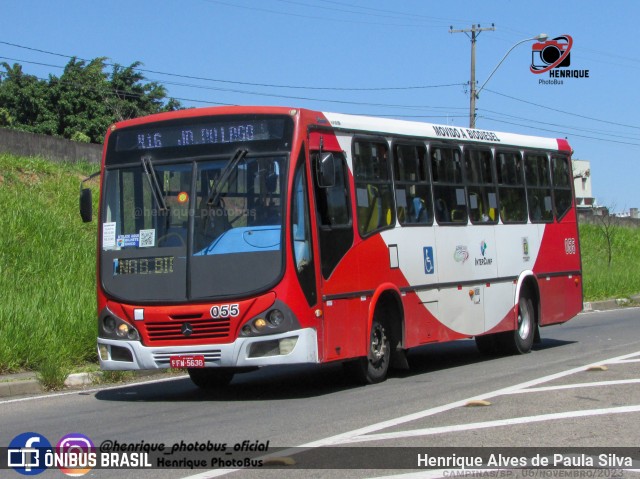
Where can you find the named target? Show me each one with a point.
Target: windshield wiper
(214, 196)
(150, 172)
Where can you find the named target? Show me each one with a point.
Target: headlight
(275, 320)
(115, 328)
(109, 324)
(259, 324)
(275, 317)
(123, 330)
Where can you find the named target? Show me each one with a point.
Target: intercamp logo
(554, 56)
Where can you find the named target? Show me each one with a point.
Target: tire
(209, 378)
(520, 341)
(373, 368)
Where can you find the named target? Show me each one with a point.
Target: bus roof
(384, 126)
(376, 125)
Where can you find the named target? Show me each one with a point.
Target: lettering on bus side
(465, 133)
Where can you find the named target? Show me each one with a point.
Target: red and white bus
(239, 237)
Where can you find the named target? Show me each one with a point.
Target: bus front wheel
(209, 378)
(373, 368)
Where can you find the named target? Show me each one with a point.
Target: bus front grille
(188, 329)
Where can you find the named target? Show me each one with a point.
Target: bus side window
(301, 229)
(448, 187)
(562, 176)
(374, 194)
(412, 186)
(538, 188)
(481, 189)
(334, 215)
(511, 191)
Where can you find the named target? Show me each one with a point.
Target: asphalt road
(579, 387)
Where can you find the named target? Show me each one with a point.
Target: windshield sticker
(108, 235)
(125, 241)
(147, 238)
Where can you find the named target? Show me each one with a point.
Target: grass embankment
(47, 268)
(621, 279)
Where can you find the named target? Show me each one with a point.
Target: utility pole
(475, 31)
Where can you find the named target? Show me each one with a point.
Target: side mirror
(86, 205)
(326, 170)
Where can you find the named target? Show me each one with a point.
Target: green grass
(621, 280)
(48, 257)
(47, 266)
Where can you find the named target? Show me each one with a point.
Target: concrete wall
(50, 147)
(591, 219)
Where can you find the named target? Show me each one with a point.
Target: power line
(538, 128)
(288, 97)
(546, 122)
(236, 82)
(312, 17)
(562, 111)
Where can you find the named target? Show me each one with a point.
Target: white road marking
(577, 385)
(358, 435)
(430, 431)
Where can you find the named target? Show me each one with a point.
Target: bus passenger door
(335, 238)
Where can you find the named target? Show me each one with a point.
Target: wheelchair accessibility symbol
(429, 266)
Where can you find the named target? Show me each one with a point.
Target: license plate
(186, 361)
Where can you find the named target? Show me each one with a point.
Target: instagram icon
(77, 449)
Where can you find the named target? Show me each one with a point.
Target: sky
(387, 58)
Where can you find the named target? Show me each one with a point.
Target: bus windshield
(184, 229)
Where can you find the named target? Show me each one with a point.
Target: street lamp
(475, 94)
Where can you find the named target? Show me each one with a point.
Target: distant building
(582, 185)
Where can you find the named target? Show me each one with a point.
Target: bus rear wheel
(209, 378)
(520, 341)
(373, 368)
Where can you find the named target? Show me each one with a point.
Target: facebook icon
(26, 453)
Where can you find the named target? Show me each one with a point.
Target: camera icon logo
(551, 54)
(76, 449)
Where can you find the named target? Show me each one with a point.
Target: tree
(82, 103)
(609, 226)
(24, 100)
(132, 98)
(78, 98)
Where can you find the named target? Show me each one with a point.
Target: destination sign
(205, 133)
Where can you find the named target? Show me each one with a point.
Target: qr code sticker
(147, 238)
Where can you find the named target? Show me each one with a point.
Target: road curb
(27, 384)
(610, 304)
(10, 387)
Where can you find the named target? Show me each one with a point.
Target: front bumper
(132, 355)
